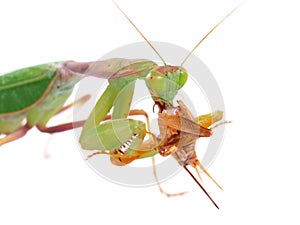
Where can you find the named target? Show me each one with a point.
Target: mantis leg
(65, 126)
(60, 127)
(79, 101)
(15, 135)
(158, 183)
(125, 149)
(20, 132)
(120, 138)
(73, 125)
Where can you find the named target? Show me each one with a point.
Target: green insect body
(32, 96)
(36, 94)
(118, 95)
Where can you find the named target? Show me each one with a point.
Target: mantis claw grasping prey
(32, 96)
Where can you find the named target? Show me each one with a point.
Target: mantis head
(164, 83)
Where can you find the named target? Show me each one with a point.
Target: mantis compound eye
(171, 78)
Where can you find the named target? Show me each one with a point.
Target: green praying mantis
(32, 96)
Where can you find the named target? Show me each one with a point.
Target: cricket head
(164, 82)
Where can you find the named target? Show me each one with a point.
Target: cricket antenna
(149, 43)
(201, 186)
(190, 53)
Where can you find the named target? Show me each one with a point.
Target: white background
(254, 57)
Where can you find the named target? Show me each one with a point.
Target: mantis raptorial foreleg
(120, 136)
(73, 125)
(122, 139)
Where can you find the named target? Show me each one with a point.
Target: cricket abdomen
(186, 155)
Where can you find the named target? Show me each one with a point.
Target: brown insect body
(179, 133)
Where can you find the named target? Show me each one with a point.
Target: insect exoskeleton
(164, 83)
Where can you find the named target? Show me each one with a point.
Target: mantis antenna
(137, 29)
(190, 53)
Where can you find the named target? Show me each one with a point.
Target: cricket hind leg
(158, 183)
(208, 121)
(206, 172)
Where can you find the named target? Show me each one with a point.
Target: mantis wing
(181, 119)
(23, 88)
